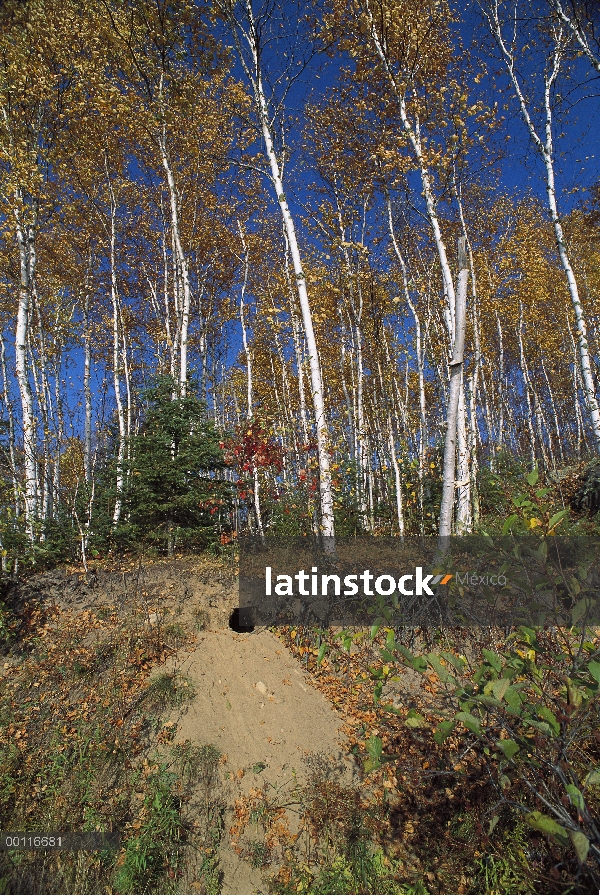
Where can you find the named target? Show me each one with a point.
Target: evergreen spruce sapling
(170, 491)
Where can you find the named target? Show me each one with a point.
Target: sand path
(254, 702)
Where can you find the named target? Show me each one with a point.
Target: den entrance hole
(240, 621)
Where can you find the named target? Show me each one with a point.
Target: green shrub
(587, 497)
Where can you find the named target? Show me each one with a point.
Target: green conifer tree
(174, 493)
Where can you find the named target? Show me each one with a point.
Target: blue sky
(521, 169)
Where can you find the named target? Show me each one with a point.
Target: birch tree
(578, 18)
(40, 107)
(249, 32)
(456, 378)
(245, 260)
(502, 18)
(412, 63)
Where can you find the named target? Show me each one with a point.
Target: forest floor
(226, 759)
(250, 697)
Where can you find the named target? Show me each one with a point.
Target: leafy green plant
(533, 509)
(336, 851)
(531, 710)
(341, 875)
(524, 704)
(505, 866)
(497, 483)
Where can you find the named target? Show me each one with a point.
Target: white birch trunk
(419, 353)
(575, 375)
(397, 479)
(51, 418)
(42, 397)
(355, 315)
(300, 371)
(349, 409)
(463, 486)
(182, 266)
(546, 149)
(127, 376)
(249, 398)
(172, 347)
(525, 374)
(361, 440)
(26, 245)
(256, 79)
(114, 297)
(11, 430)
(399, 403)
(60, 425)
(578, 415)
(501, 384)
(412, 132)
(467, 443)
(540, 423)
(456, 370)
(574, 25)
(557, 431)
(414, 138)
(249, 394)
(87, 391)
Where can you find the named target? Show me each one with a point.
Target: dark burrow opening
(240, 621)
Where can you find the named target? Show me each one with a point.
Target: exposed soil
(256, 705)
(252, 699)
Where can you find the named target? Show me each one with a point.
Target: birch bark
(355, 315)
(463, 468)
(525, 374)
(249, 398)
(11, 429)
(249, 394)
(181, 262)
(557, 431)
(576, 401)
(87, 391)
(456, 372)
(576, 28)
(500, 383)
(26, 244)
(468, 503)
(254, 73)
(42, 399)
(419, 351)
(397, 479)
(412, 132)
(545, 146)
(60, 426)
(114, 297)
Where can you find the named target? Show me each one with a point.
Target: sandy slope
(254, 703)
(252, 699)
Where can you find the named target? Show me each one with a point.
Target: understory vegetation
(479, 750)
